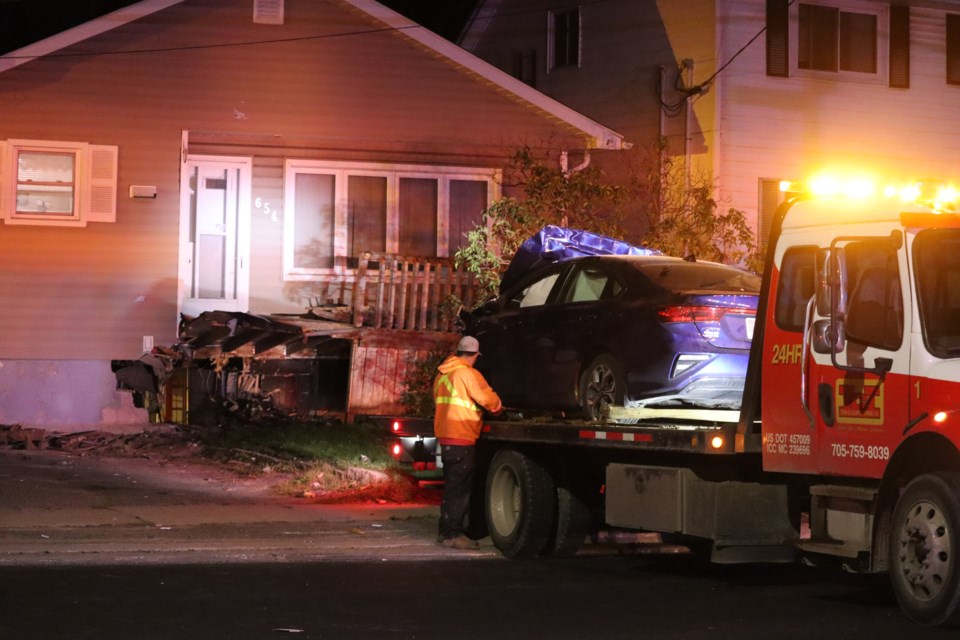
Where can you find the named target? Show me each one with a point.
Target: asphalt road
(649, 597)
(110, 549)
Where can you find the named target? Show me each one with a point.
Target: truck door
(789, 436)
(859, 369)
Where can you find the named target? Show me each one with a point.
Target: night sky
(25, 21)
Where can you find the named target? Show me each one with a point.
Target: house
(181, 157)
(750, 91)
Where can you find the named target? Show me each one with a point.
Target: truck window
(875, 307)
(936, 258)
(795, 288)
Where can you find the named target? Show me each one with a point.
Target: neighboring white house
(754, 91)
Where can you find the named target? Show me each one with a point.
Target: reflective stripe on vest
(453, 398)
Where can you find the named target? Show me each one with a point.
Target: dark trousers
(458, 465)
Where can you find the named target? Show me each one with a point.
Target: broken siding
(381, 363)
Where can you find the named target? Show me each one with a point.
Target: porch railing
(410, 293)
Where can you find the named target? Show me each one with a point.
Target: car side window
(590, 284)
(534, 294)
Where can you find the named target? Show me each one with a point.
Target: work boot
(461, 542)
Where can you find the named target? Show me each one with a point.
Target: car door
(573, 329)
(507, 339)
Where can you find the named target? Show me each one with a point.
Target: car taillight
(685, 313)
(396, 450)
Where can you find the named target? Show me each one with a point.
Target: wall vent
(268, 11)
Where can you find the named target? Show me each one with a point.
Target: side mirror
(828, 336)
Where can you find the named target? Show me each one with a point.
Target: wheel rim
(505, 501)
(925, 550)
(600, 391)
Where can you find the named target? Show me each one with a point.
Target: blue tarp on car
(554, 244)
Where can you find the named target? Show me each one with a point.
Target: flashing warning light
(716, 442)
(940, 417)
(934, 194)
(396, 450)
(396, 425)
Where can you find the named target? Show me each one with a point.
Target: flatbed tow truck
(847, 442)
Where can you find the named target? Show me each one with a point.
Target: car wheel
(924, 548)
(601, 386)
(521, 504)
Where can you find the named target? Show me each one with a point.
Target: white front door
(214, 234)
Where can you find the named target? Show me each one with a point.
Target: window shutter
(900, 46)
(778, 40)
(102, 185)
(268, 11)
(4, 188)
(953, 48)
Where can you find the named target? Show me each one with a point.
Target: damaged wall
(31, 394)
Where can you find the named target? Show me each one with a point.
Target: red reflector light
(682, 313)
(419, 466)
(396, 425)
(396, 450)
(431, 466)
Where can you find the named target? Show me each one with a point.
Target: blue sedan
(582, 334)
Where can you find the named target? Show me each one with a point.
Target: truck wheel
(925, 549)
(520, 504)
(574, 523)
(601, 385)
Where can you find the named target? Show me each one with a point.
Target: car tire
(601, 385)
(521, 504)
(924, 548)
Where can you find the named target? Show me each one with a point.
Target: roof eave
(82, 32)
(596, 136)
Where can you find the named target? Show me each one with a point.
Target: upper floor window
(953, 48)
(563, 38)
(863, 42)
(57, 183)
(829, 39)
(337, 210)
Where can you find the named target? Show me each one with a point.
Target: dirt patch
(190, 451)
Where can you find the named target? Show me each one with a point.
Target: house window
(829, 39)
(563, 38)
(57, 183)
(953, 48)
(338, 210)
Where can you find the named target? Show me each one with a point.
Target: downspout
(688, 116)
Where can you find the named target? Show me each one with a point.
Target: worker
(460, 394)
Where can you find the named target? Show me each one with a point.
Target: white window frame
(880, 10)
(341, 170)
(94, 186)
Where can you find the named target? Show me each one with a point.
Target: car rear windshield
(693, 276)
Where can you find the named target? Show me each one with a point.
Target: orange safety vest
(459, 392)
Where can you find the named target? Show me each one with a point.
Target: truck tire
(520, 504)
(574, 523)
(925, 549)
(601, 385)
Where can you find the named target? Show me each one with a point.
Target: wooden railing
(410, 293)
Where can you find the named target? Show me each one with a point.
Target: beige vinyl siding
(95, 292)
